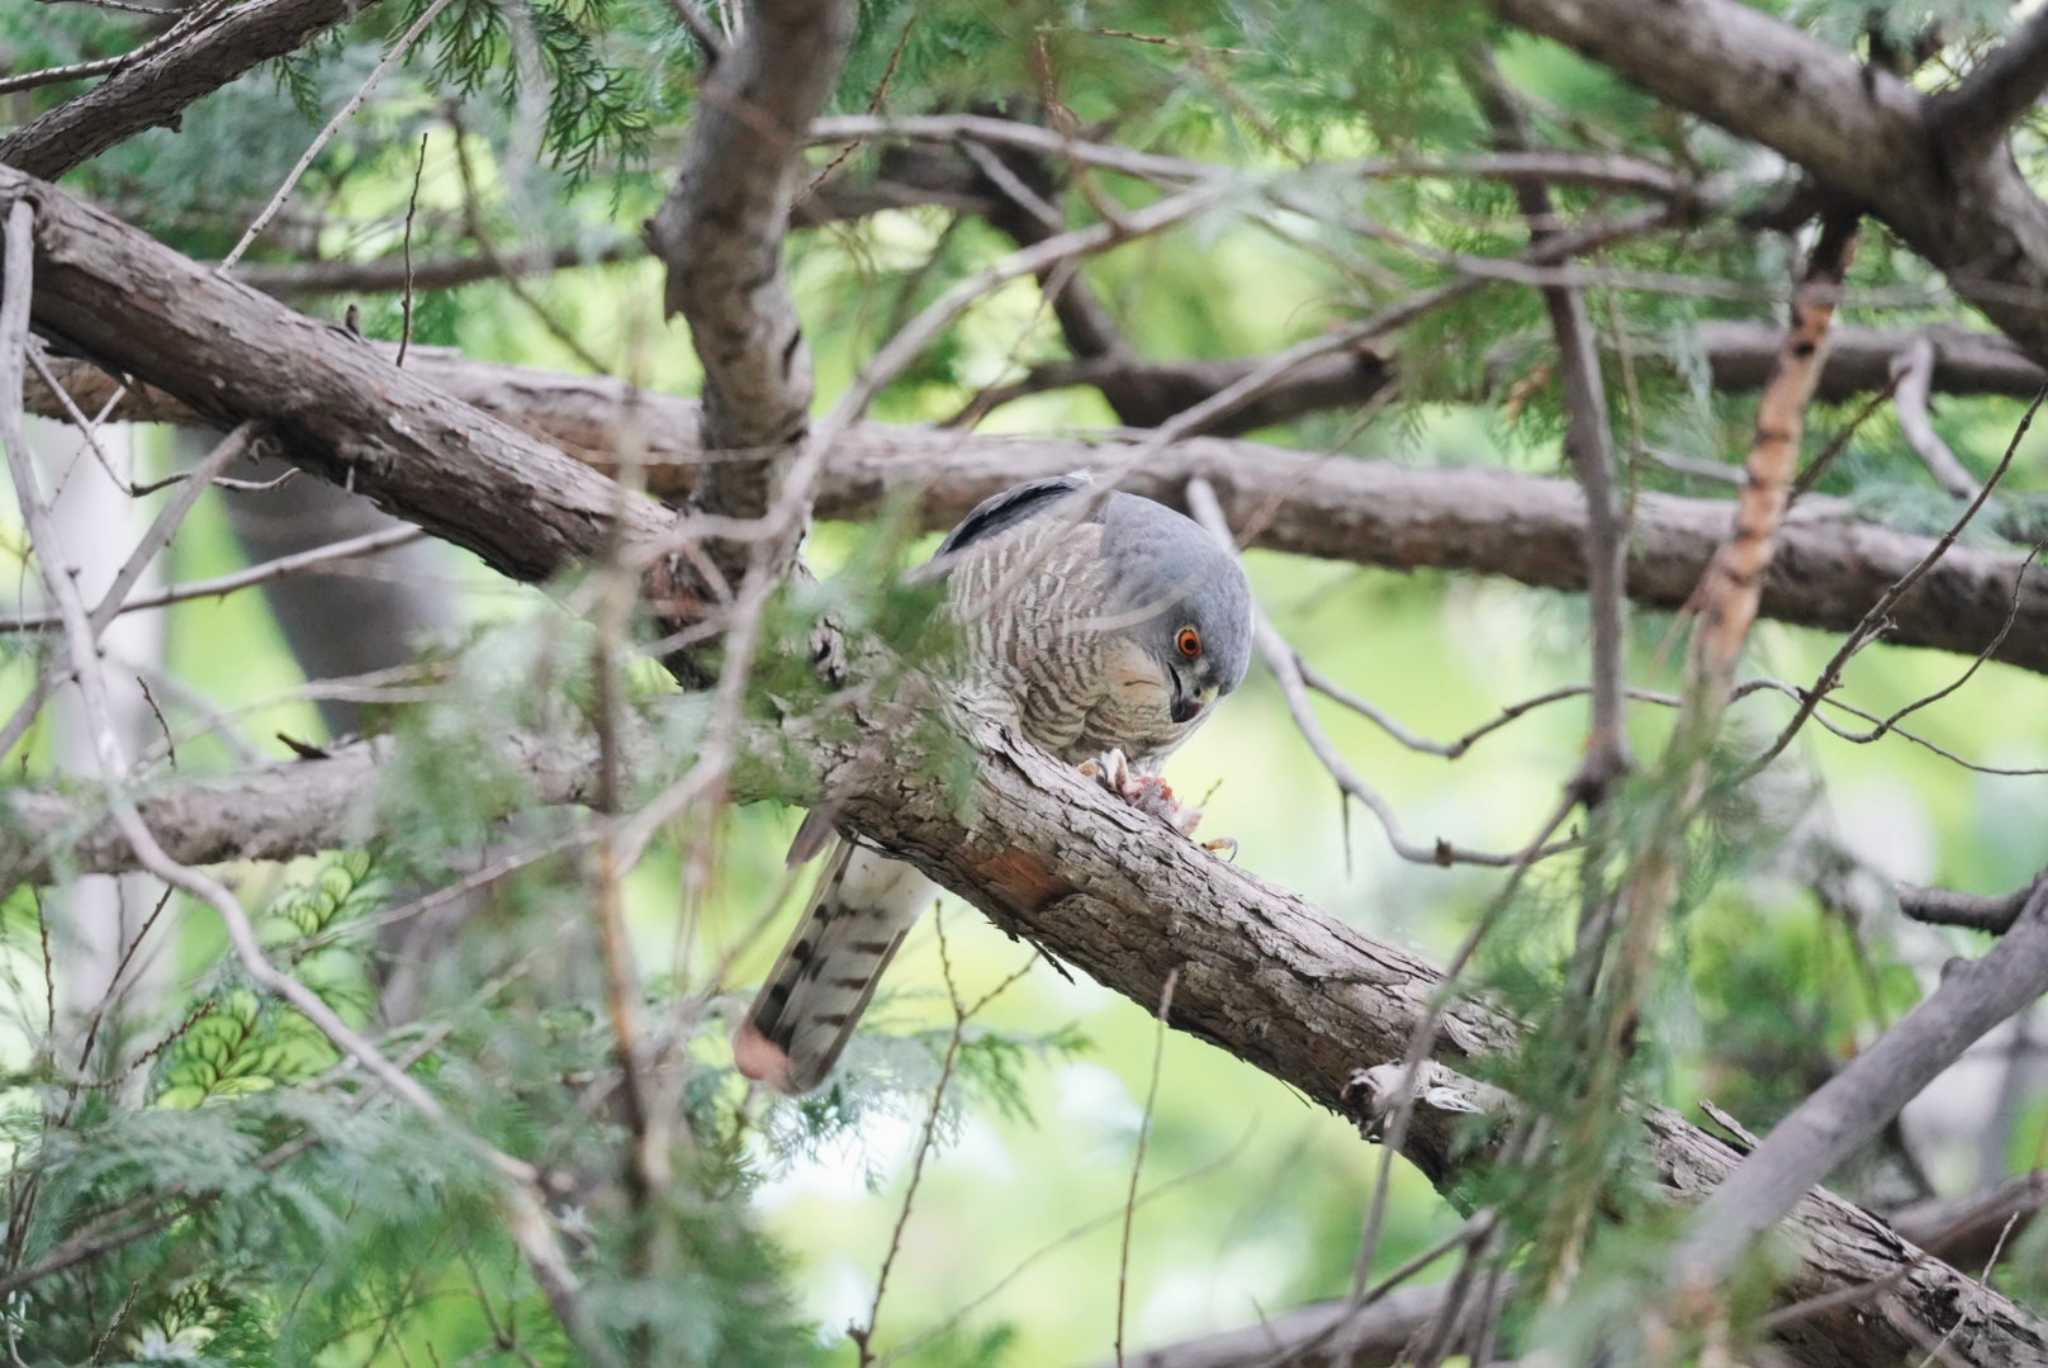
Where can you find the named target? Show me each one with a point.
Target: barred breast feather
(1044, 638)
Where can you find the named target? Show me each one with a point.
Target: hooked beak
(1186, 708)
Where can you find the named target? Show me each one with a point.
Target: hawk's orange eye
(1189, 641)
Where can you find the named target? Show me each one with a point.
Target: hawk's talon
(1220, 845)
(1146, 792)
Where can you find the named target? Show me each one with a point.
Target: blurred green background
(1253, 1198)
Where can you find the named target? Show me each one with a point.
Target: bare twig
(1820, 464)
(1850, 1108)
(647, 1162)
(1280, 659)
(195, 18)
(1874, 620)
(1077, 1232)
(166, 524)
(368, 544)
(863, 1336)
(333, 126)
(412, 205)
(473, 220)
(1591, 447)
(1891, 719)
(387, 274)
(1123, 1262)
(1913, 371)
(1422, 1043)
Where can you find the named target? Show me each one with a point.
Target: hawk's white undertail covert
(1107, 626)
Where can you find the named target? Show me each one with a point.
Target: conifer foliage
(371, 937)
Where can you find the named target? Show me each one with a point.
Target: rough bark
(1740, 356)
(1830, 566)
(287, 810)
(1113, 892)
(338, 406)
(720, 234)
(155, 91)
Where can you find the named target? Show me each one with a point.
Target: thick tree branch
(156, 90)
(1861, 132)
(1965, 1231)
(296, 808)
(1974, 911)
(1296, 993)
(339, 407)
(1740, 356)
(1830, 566)
(2002, 88)
(720, 234)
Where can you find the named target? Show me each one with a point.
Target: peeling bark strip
(342, 409)
(1734, 582)
(1727, 601)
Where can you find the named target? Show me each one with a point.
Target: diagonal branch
(342, 410)
(1853, 1106)
(153, 92)
(1863, 133)
(1999, 91)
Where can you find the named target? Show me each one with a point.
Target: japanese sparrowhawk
(1106, 627)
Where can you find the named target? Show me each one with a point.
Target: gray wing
(999, 512)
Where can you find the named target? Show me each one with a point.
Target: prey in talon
(1148, 793)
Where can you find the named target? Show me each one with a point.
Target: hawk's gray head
(1175, 599)
(1185, 600)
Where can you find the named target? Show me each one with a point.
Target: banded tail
(807, 1009)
